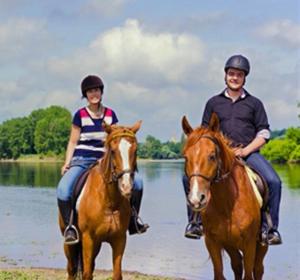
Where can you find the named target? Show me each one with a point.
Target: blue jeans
(190, 214)
(77, 167)
(67, 182)
(265, 169)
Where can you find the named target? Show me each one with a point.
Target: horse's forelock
(119, 131)
(194, 137)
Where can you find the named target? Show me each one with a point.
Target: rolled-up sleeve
(261, 121)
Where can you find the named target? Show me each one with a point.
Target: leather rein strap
(118, 175)
(218, 177)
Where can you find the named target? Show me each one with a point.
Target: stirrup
(139, 225)
(274, 237)
(71, 227)
(190, 231)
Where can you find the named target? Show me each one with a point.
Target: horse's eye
(212, 157)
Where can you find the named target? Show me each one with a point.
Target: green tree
(295, 155)
(293, 134)
(44, 131)
(150, 149)
(52, 131)
(14, 138)
(278, 150)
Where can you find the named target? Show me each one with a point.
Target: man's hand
(240, 152)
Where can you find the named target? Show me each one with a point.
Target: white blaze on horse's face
(125, 181)
(194, 195)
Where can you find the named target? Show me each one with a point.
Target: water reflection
(48, 174)
(289, 174)
(29, 174)
(30, 234)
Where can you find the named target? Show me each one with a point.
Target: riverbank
(39, 158)
(60, 274)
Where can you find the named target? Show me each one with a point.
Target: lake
(29, 234)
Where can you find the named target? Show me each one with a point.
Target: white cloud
(130, 53)
(284, 32)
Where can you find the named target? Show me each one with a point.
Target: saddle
(261, 190)
(259, 186)
(79, 184)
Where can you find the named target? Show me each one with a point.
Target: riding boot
(136, 224)
(71, 235)
(194, 229)
(269, 234)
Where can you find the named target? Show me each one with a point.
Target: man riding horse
(244, 121)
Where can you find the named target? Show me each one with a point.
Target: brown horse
(103, 208)
(221, 191)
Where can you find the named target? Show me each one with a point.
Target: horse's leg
(249, 253)
(72, 254)
(236, 262)
(259, 261)
(88, 256)
(118, 247)
(214, 250)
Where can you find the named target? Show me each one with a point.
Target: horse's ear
(186, 126)
(214, 123)
(106, 127)
(136, 126)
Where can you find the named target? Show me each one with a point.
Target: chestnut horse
(103, 207)
(222, 193)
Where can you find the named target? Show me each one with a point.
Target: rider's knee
(138, 183)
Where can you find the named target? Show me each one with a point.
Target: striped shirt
(92, 134)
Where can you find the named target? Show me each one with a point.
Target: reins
(218, 177)
(117, 175)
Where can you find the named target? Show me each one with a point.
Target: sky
(159, 60)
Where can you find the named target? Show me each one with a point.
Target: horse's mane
(106, 161)
(227, 155)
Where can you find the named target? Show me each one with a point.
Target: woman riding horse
(103, 207)
(85, 148)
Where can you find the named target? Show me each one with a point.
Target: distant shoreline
(37, 159)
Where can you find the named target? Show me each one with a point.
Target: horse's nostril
(202, 198)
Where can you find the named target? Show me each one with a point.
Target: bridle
(219, 176)
(117, 175)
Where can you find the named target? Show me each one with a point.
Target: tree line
(45, 132)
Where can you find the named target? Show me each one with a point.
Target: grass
(60, 274)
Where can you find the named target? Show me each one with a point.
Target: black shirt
(240, 120)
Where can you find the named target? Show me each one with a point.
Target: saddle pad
(253, 178)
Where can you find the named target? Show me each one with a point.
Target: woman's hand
(65, 168)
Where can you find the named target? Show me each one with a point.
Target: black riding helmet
(90, 82)
(238, 62)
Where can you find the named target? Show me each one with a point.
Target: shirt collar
(243, 95)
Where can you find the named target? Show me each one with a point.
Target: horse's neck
(225, 192)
